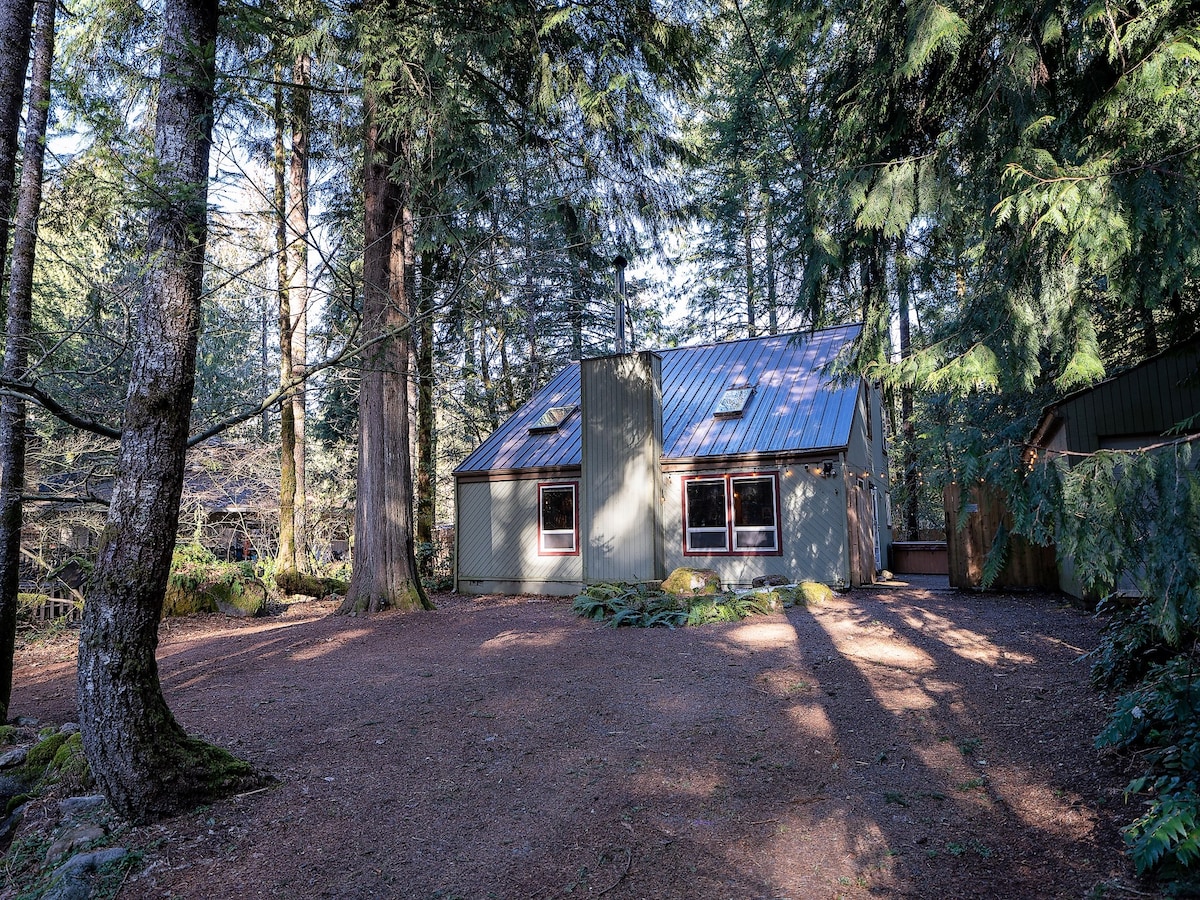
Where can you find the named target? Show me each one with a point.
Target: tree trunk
(298, 292)
(285, 560)
(769, 238)
(385, 569)
(912, 523)
(426, 424)
(16, 25)
(139, 755)
(16, 347)
(748, 238)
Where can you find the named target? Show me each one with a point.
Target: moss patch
(687, 582)
(815, 592)
(309, 585)
(42, 753)
(200, 583)
(70, 760)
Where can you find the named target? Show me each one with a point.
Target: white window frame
(573, 531)
(722, 530)
(730, 530)
(772, 529)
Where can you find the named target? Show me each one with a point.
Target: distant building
(746, 457)
(1152, 403)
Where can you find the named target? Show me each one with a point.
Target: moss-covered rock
(688, 582)
(8, 734)
(200, 583)
(42, 753)
(69, 760)
(309, 585)
(815, 592)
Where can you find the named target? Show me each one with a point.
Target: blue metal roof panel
(796, 405)
(511, 446)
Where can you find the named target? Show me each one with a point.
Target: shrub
(643, 607)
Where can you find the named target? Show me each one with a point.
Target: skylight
(733, 402)
(551, 419)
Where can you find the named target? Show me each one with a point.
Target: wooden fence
(1026, 565)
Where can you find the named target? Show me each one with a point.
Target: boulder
(815, 592)
(74, 839)
(770, 581)
(73, 806)
(687, 582)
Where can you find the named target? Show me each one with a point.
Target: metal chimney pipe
(620, 263)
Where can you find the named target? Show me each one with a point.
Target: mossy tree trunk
(285, 560)
(139, 755)
(16, 24)
(16, 346)
(385, 569)
(299, 293)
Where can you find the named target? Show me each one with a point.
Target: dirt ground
(891, 743)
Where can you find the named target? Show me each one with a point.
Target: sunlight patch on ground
(765, 635)
(510, 640)
(812, 719)
(962, 642)
(1071, 818)
(309, 650)
(889, 667)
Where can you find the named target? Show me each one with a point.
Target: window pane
(706, 504)
(563, 540)
(754, 539)
(706, 540)
(558, 509)
(754, 502)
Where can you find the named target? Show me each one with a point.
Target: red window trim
(574, 486)
(728, 478)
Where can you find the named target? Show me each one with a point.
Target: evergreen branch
(1088, 454)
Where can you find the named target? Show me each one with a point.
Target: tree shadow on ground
(515, 751)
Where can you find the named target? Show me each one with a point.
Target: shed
(746, 457)
(1151, 403)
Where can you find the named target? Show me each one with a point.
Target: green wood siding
(621, 405)
(497, 540)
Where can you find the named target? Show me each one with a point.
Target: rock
(686, 582)
(73, 879)
(13, 757)
(815, 592)
(26, 722)
(770, 581)
(83, 863)
(73, 840)
(70, 888)
(11, 787)
(69, 728)
(73, 806)
(9, 825)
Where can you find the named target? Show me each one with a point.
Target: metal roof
(796, 405)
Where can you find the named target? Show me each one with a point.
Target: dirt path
(886, 744)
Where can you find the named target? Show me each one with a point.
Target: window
(733, 402)
(731, 514)
(706, 515)
(558, 523)
(754, 514)
(551, 419)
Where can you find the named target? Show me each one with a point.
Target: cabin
(749, 457)
(1138, 409)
